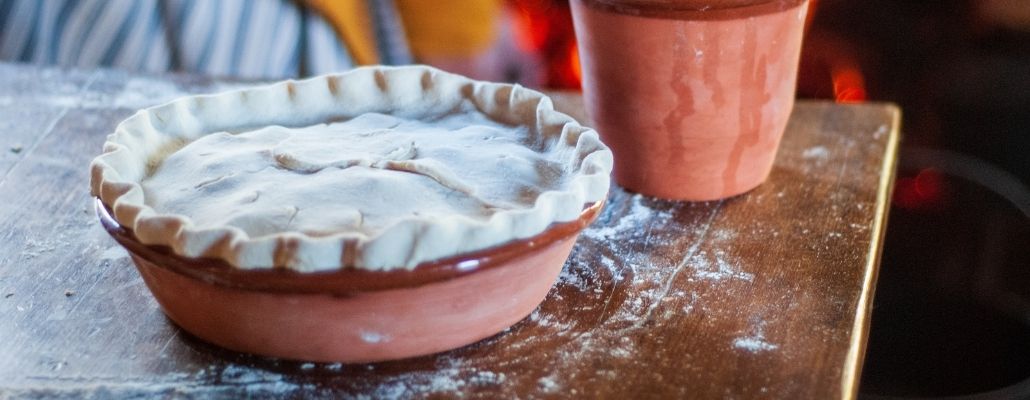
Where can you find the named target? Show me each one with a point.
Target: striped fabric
(392, 46)
(243, 38)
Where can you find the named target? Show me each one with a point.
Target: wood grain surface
(766, 295)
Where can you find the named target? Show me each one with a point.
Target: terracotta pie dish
(377, 214)
(352, 315)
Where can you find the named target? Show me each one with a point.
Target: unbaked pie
(369, 204)
(377, 168)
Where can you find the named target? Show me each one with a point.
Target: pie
(378, 168)
(377, 214)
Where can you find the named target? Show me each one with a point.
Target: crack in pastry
(212, 181)
(296, 161)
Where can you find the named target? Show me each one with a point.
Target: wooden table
(766, 295)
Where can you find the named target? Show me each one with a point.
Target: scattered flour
(450, 375)
(724, 235)
(550, 321)
(447, 378)
(716, 267)
(144, 92)
(753, 344)
(817, 152)
(630, 268)
(548, 384)
(486, 378)
(35, 248)
(880, 131)
(114, 253)
(256, 380)
(755, 341)
(638, 215)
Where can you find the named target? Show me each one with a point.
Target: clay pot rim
(346, 281)
(693, 10)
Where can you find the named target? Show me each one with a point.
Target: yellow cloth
(434, 28)
(449, 28)
(353, 24)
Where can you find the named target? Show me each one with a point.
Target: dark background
(952, 311)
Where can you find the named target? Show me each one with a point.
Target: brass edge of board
(863, 313)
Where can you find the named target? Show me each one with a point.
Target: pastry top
(378, 168)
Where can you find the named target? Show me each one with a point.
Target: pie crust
(378, 168)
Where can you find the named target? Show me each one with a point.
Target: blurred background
(952, 310)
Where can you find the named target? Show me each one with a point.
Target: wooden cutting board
(766, 295)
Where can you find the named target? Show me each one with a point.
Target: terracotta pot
(352, 315)
(693, 97)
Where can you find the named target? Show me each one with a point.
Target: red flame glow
(923, 191)
(848, 84)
